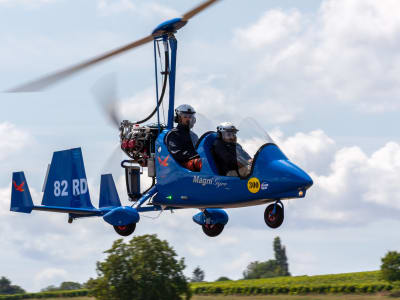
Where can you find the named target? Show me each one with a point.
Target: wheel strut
(275, 204)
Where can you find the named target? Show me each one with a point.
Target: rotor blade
(197, 9)
(46, 81)
(105, 92)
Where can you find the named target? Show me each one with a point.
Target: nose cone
(291, 175)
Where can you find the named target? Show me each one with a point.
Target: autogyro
(272, 177)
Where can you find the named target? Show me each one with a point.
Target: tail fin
(21, 200)
(66, 184)
(108, 192)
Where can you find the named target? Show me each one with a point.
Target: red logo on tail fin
(19, 187)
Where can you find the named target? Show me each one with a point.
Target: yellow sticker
(253, 185)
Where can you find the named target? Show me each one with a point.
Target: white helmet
(227, 131)
(185, 109)
(227, 127)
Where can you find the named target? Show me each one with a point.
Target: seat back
(204, 149)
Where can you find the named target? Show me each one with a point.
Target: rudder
(108, 192)
(66, 184)
(21, 200)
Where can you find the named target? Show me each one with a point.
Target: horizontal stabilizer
(76, 211)
(21, 200)
(66, 184)
(108, 192)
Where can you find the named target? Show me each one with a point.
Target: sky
(320, 76)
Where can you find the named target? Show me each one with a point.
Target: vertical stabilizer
(66, 184)
(108, 192)
(21, 200)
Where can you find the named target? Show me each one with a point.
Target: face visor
(188, 119)
(229, 136)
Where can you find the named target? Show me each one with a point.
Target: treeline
(41, 295)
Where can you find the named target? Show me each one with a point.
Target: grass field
(348, 286)
(349, 283)
(277, 297)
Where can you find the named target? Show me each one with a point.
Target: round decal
(253, 185)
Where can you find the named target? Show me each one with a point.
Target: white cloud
(29, 3)
(139, 106)
(109, 7)
(199, 252)
(12, 139)
(274, 26)
(52, 275)
(350, 187)
(347, 53)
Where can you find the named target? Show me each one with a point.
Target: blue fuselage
(272, 177)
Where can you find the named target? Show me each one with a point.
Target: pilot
(181, 140)
(230, 158)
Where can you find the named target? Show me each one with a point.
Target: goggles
(186, 115)
(229, 134)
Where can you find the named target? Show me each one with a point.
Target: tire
(273, 220)
(125, 230)
(213, 230)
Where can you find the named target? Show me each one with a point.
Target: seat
(204, 146)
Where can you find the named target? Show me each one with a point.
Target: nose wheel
(125, 230)
(274, 214)
(213, 229)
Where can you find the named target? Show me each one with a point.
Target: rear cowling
(121, 216)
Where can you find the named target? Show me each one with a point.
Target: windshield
(236, 158)
(252, 136)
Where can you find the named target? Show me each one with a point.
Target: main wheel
(213, 229)
(126, 229)
(273, 220)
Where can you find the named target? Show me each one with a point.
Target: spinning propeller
(105, 92)
(48, 80)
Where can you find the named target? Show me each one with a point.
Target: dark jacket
(225, 156)
(180, 144)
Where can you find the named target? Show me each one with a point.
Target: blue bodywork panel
(211, 216)
(122, 216)
(272, 177)
(21, 200)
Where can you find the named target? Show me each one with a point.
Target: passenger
(230, 158)
(181, 140)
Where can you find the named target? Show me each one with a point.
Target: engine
(138, 142)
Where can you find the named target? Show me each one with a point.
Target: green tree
(49, 288)
(264, 269)
(7, 288)
(223, 278)
(198, 275)
(281, 258)
(390, 266)
(64, 286)
(144, 268)
(270, 268)
(69, 285)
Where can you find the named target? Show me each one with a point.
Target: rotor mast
(165, 31)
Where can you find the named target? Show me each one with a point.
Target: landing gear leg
(274, 214)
